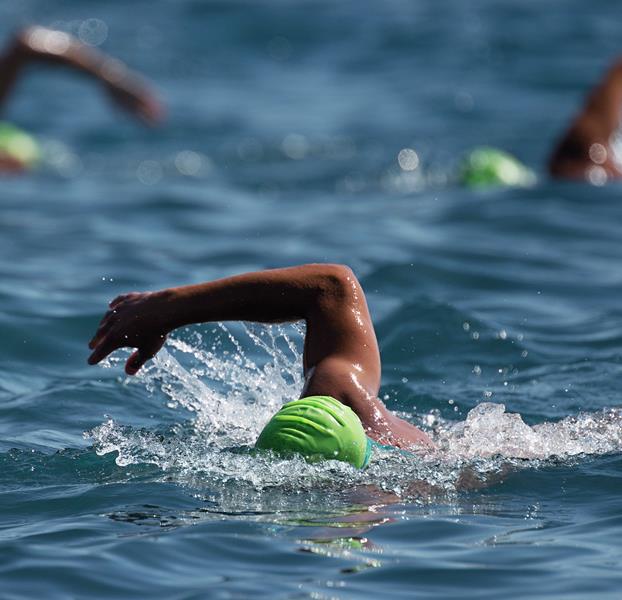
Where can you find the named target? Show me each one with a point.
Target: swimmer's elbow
(338, 282)
(35, 40)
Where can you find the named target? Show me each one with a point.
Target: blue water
(285, 120)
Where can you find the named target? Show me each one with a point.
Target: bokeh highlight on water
(313, 131)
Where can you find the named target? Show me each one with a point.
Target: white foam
(490, 431)
(230, 397)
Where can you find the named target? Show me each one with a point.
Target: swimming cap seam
(329, 409)
(301, 419)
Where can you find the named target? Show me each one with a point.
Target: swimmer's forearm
(605, 103)
(272, 296)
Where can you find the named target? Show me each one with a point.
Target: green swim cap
(319, 428)
(18, 145)
(484, 167)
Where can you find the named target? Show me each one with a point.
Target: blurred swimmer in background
(19, 151)
(590, 149)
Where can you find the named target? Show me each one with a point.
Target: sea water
(298, 132)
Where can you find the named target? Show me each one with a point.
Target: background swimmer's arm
(341, 356)
(40, 45)
(599, 119)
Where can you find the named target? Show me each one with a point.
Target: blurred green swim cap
(319, 428)
(19, 145)
(483, 167)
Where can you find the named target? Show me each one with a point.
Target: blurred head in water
(488, 167)
(18, 150)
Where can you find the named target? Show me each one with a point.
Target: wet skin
(587, 143)
(341, 356)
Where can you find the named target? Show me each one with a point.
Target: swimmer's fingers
(135, 362)
(119, 299)
(150, 110)
(96, 339)
(104, 326)
(138, 100)
(111, 316)
(105, 347)
(142, 355)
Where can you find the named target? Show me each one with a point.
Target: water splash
(232, 389)
(489, 431)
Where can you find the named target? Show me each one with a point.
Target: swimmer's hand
(133, 96)
(134, 320)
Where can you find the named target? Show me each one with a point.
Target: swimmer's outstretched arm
(587, 142)
(341, 357)
(39, 45)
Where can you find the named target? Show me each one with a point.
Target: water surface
(281, 147)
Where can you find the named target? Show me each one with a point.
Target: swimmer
(37, 45)
(341, 359)
(587, 149)
(590, 149)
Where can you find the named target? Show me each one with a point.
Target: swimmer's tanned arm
(587, 144)
(40, 45)
(341, 357)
